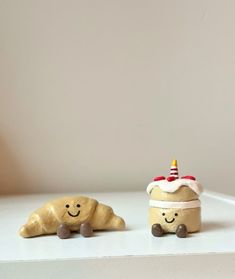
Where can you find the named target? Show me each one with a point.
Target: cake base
(171, 218)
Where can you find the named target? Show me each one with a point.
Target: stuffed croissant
(73, 213)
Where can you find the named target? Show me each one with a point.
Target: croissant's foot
(24, 232)
(182, 231)
(63, 231)
(157, 230)
(86, 230)
(31, 229)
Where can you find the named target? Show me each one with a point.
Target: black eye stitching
(67, 205)
(176, 214)
(78, 205)
(163, 214)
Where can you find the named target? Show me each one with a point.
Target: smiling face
(170, 218)
(74, 210)
(73, 214)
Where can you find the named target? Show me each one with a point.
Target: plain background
(101, 95)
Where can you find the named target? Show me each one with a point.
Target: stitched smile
(74, 215)
(170, 221)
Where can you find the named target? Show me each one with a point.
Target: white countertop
(217, 235)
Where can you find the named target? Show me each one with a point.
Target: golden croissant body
(72, 211)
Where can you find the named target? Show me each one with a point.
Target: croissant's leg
(86, 230)
(63, 231)
(31, 229)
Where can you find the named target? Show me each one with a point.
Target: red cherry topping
(189, 177)
(171, 178)
(157, 178)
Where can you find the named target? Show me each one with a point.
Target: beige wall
(101, 95)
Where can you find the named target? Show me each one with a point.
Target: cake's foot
(63, 231)
(86, 230)
(182, 231)
(157, 230)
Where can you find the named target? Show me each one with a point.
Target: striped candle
(174, 169)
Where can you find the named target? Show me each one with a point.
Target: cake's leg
(86, 230)
(63, 231)
(157, 230)
(182, 231)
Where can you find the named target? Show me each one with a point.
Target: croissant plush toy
(69, 214)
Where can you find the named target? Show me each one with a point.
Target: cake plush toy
(174, 204)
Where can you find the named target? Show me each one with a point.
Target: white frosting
(173, 186)
(172, 204)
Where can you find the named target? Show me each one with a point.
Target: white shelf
(123, 254)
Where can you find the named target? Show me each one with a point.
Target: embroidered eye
(67, 205)
(163, 214)
(78, 205)
(176, 214)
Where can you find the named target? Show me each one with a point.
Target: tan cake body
(174, 204)
(68, 214)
